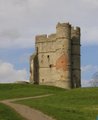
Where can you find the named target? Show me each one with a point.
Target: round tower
(76, 72)
(63, 63)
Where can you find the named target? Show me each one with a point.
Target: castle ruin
(56, 61)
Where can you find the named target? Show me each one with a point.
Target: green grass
(8, 91)
(77, 104)
(7, 113)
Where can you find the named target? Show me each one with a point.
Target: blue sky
(89, 62)
(21, 20)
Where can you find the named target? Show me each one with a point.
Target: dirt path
(25, 111)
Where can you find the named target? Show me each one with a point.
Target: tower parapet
(52, 37)
(75, 33)
(63, 30)
(41, 38)
(45, 38)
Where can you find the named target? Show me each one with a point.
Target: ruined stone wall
(57, 58)
(34, 68)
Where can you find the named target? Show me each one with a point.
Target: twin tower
(56, 61)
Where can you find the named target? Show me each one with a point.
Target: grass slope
(7, 113)
(8, 91)
(77, 104)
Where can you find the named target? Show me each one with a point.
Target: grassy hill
(76, 104)
(7, 113)
(8, 91)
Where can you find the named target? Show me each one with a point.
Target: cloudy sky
(21, 20)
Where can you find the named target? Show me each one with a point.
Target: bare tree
(94, 81)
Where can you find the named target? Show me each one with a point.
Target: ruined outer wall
(31, 69)
(34, 69)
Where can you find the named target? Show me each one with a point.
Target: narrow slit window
(48, 56)
(50, 65)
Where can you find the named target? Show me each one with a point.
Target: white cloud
(90, 36)
(93, 82)
(90, 70)
(86, 83)
(9, 74)
(21, 20)
(87, 68)
(93, 3)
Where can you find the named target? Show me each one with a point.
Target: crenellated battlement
(63, 30)
(62, 25)
(75, 32)
(41, 38)
(45, 38)
(52, 36)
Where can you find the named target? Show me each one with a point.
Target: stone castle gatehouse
(56, 60)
